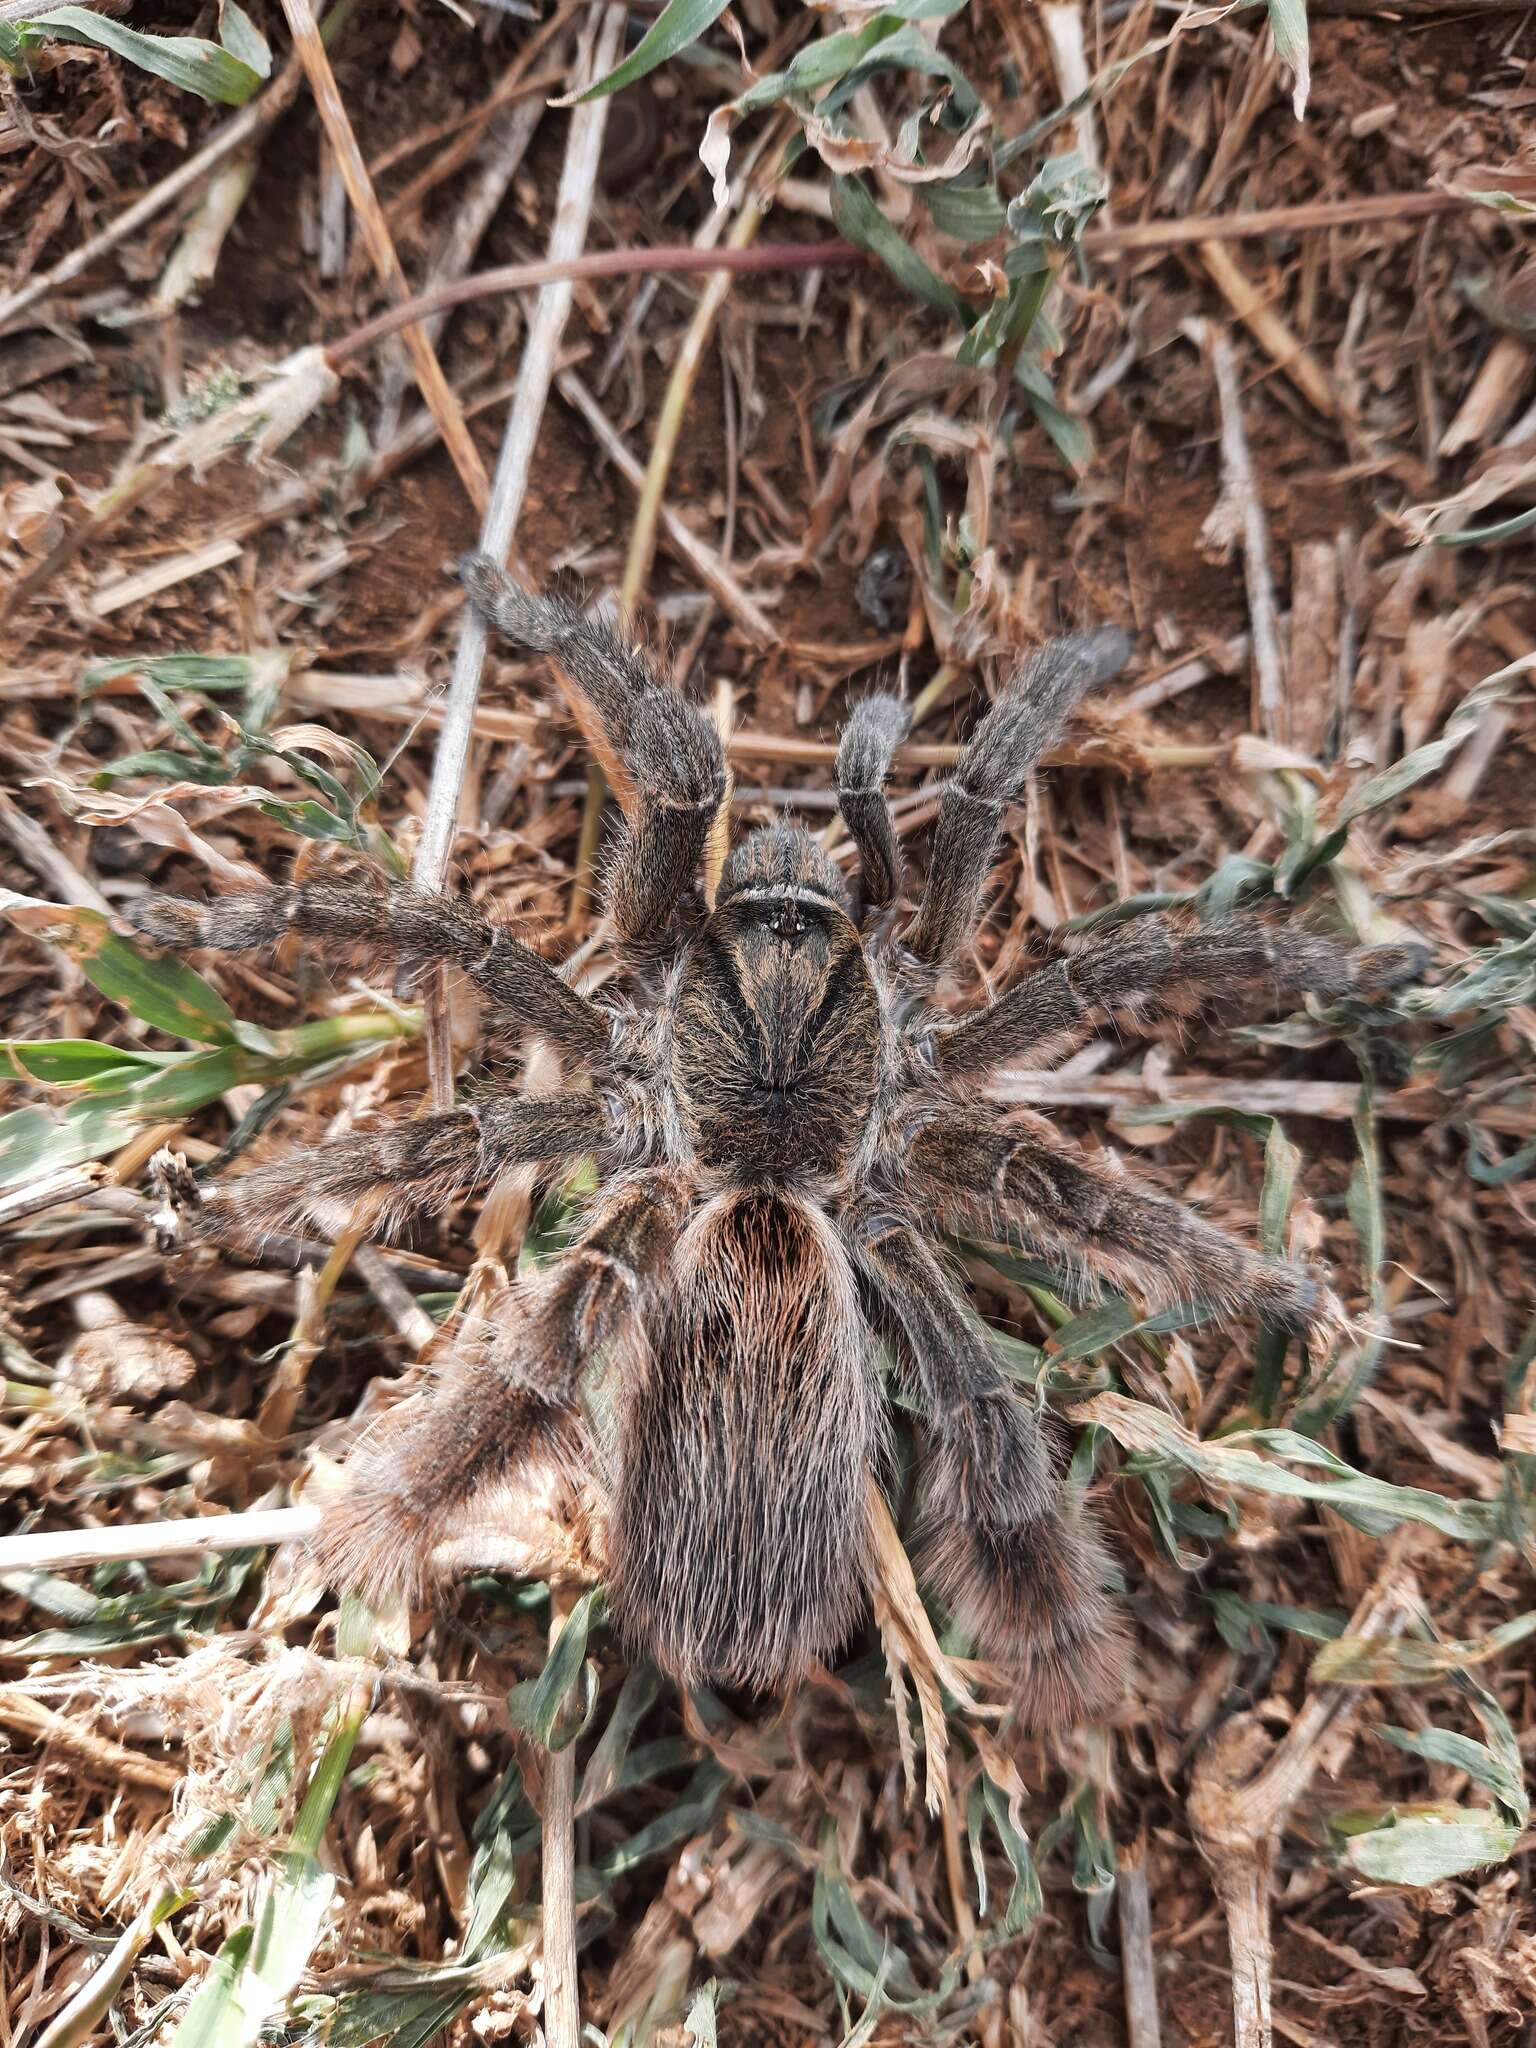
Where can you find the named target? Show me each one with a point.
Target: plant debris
(1214, 326)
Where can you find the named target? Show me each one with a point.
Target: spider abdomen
(738, 1546)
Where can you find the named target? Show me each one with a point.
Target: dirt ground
(1381, 367)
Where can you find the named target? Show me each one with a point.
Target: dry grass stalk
(1238, 517)
(912, 1647)
(652, 495)
(1284, 349)
(435, 388)
(1243, 1790)
(1314, 216)
(1333, 1100)
(31, 1717)
(1138, 1965)
(1496, 391)
(573, 208)
(695, 555)
(557, 1868)
(495, 141)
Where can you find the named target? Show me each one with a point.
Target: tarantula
(785, 1122)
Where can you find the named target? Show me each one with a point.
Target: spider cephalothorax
(784, 1123)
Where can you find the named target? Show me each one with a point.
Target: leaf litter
(228, 1806)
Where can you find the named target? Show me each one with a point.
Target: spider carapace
(788, 1129)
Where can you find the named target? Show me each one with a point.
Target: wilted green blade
(1288, 25)
(186, 62)
(204, 2023)
(243, 39)
(680, 23)
(856, 215)
(1421, 1849)
(538, 1704)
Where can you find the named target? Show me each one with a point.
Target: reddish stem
(516, 277)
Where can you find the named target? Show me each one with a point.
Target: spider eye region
(786, 920)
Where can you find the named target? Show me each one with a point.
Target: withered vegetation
(1188, 320)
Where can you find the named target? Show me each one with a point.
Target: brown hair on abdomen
(738, 1546)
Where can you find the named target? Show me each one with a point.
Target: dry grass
(1254, 412)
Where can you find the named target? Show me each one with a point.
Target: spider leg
(1021, 1179)
(875, 730)
(662, 757)
(416, 1166)
(393, 918)
(1028, 717)
(1020, 1566)
(448, 1462)
(1161, 966)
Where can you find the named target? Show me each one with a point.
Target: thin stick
(1242, 1789)
(573, 210)
(286, 1387)
(1289, 353)
(666, 260)
(1138, 1972)
(1336, 1100)
(642, 536)
(435, 388)
(497, 140)
(1240, 510)
(674, 408)
(90, 2005)
(206, 1535)
(748, 745)
(1389, 208)
(557, 1876)
(694, 553)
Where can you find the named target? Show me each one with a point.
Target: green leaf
(1423, 1845)
(1025, 1900)
(1461, 1753)
(36, 1141)
(1067, 433)
(1409, 1660)
(1282, 1162)
(157, 989)
(1364, 1206)
(1053, 213)
(905, 49)
(294, 1904)
(692, 1810)
(679, 23)
(1235, 1463)
(243, 39)
(971, 213)
(206, 2021)
(537, 1705)
(1238, 1620)
(1485, 536)
(211, 674)
(78, 1062)
(605, 1766)
(1106, 1323)
(1462, 723)
(857, 217)
(186, 62)
(163, 765)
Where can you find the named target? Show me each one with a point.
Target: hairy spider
(784, 1122)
